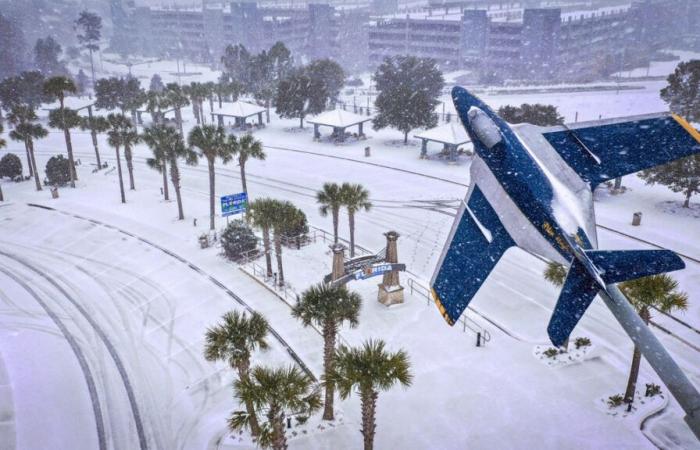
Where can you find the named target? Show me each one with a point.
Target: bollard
(637, 219)
(194, 222)
(54, 192)
(289, 422)
(367, 152)
(478, 339)
(161, 191)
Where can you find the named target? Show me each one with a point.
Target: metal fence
(482, 335)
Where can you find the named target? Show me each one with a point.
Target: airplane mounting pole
(660, 360)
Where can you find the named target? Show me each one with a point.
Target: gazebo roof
(339, 118)
(452, 133)
(238, 109)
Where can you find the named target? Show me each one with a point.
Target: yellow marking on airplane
(548, 228)
(441, 308)
(688, 127)
(578, 239)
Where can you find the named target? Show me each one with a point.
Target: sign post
(234, 204)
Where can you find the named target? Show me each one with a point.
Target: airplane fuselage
(537, 193)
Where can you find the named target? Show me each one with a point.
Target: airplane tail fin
(581, 285)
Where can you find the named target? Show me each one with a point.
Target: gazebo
(450, 135)
(240, 111)
(339, 120)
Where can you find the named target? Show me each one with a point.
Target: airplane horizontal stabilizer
(476, 243)
(581, 286)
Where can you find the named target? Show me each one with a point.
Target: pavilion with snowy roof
(240, 111)
(339, 120)
(451, 136)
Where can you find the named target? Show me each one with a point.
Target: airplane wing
(476, 242)
(602, 150)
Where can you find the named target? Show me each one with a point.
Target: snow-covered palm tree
(245, 148)
(212, 143)
(234, 340)
(27, 130)
(330, 197)
(355, 198)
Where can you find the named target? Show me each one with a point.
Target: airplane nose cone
(484, 127)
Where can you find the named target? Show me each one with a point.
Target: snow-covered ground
(100, 300)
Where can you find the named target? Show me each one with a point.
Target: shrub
(652, 390)
(615, 400)
(582, 342)
(238, 241)
(297, 232)
(551, 352)
(58, 170)
(10, 166)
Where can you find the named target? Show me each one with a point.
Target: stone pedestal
(390, 296)
(390, 289)
(338, 269)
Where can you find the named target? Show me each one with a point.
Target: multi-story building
(311, 32)
(537, 44)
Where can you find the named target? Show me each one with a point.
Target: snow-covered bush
(551, 352)
(615, 400)
(582, 342)
(58, 170)
(10, 166)
(652, 390)
(238, 241)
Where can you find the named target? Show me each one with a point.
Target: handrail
(482, 334)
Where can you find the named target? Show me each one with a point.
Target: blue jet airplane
(532, 186)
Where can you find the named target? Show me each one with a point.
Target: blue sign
(234, 204)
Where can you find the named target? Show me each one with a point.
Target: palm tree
(369, 369)
(178, 100)
(275, 390)
(285, 217)
(167, 146)
(57, 87)
(261, 213)
(212, 143)
(95, 124)
(156, 102)
(119, 126)
(656, 291)
(330, 197)
(27, 130)
(555, 273)
(328, 307)
(197, 92)
(129, 139)
(65, 119)
(355, 198)
(234, 340)
(247, 147)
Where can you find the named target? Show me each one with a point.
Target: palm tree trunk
(329, 335)
(243, 183)
(336, 211)
(351, 218)
(29, 159)
(166, 195)
(2, 198)
(71, 161)
(175, 179)
(195, 110)
(220, 100)
(369, 407)
(636, 360)
(119, 172)
(30, 146)
(129, 165)
(688, 194)
(211, 194)
(276, 418)
(93, 134)
(243, 375)
(278, 256)
(301, 122)
(268, 251)
(405, 138)
(178, 119)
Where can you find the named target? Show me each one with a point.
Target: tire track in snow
(143, 442)
(295, 357)
(75, 347)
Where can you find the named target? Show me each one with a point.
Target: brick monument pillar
(390, 289)
(338, 269)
